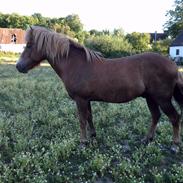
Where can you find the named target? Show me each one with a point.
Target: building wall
(16, 48)
(173, 51)
(6, 35)
(7, 44)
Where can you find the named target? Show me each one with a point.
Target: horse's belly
(117, 96)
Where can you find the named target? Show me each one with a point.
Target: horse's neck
(66, 66)
(57, 67)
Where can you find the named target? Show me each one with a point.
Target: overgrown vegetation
(174, 25)
(8, 56)
(39, 137)
(110, 43)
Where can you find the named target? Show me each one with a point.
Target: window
(177, 51)
(13, 38)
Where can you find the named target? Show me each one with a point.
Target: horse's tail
(178, 92)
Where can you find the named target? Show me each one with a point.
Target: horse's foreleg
(82, 106)
(155, 113)
(91, 128)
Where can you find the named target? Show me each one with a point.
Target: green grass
(39, 137)
(8, 57)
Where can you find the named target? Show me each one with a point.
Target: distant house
(157, 36)
(12, 40)
(176, 48)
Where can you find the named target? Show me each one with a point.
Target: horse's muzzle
(21, 68)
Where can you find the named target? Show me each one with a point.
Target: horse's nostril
(20, 68)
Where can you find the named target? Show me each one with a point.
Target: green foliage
(8, 56)
(40, 20)
(94, 32)
(39, 136)
(73, 21)
(175, 23)
(109, 45)
(13, 21)
(162, 46)
(70, 25)
(119, 32)
(139, 41)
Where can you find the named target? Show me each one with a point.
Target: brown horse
(87, 77)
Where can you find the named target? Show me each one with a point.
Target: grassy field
(39, 137)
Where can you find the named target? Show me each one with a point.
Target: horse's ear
(31, 28)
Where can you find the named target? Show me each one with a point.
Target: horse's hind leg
(174, 118)
(155, 113)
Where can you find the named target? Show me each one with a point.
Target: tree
(175, 23)
(162, 46)
(75, 26)
(40, 20)
(3, 20)
(73, 21)
(70, 25)
(119, 32)
(13, 21)
(94, 32)
(139, 41)
(109, 45)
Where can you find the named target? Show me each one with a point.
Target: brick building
(12, 39)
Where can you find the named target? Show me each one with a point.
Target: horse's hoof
(93, 135)
(94, 141)
(83, 145)
(146, 140)
(175, 149)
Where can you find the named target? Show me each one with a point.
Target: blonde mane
(56, 45)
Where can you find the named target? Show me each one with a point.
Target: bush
(9, 54)
(109, 45)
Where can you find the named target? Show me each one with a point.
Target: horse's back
(124, 79)
(147, 73)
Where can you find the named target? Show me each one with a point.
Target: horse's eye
(29, 45)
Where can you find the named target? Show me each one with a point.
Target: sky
(130, 15)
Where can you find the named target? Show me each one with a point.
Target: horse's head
(31, 56)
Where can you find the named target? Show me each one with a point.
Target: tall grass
(39, 136)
